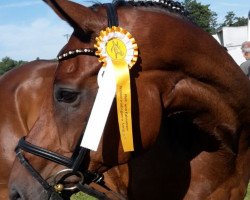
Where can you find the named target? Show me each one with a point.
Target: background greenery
(7, 64)
(248, 193)
(204, 17)
(83, 196)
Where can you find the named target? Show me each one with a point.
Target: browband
(73, 53)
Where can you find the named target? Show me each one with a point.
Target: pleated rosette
(117, 49)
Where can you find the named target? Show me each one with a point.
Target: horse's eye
(66, 96)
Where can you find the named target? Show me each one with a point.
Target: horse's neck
(179, 45)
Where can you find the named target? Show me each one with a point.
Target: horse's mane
(167, 5)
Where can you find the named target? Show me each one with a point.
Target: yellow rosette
(116, 46)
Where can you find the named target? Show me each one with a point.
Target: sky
(30, 29)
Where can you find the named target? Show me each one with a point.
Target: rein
(79, 154)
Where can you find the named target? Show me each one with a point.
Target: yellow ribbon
(117, 47)
(117, 51)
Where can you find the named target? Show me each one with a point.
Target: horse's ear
(78, 16)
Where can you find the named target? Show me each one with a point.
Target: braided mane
(168, 5)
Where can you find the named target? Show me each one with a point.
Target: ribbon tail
(123, 101)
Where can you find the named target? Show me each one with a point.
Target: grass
(247, 197)
(82, 196)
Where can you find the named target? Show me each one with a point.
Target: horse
(190, 111)
(23, 91)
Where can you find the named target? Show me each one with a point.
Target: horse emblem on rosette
(117, 50)
(173, 115)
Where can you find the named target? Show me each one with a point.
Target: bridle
(79, 153)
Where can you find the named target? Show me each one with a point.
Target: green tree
(241, 21)
(213, 25)
(202, 15)
(7, 64)
(229, 19)
(232, 20)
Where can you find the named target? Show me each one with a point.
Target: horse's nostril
(14, 195)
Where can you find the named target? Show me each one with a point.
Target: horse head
(181, 71)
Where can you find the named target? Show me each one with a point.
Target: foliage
(202, 15)
(7, 64)
(240, 21)
(82, 196)
(247, 197)
(229, 19)
(232, 20)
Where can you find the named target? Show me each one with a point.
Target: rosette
(116, 44)
(116, 48)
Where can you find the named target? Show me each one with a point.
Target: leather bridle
(79, 153)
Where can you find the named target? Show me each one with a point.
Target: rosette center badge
(116, 49)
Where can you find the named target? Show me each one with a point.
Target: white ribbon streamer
(101, 109)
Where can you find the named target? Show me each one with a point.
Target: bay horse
(23, 91)
(190, 105)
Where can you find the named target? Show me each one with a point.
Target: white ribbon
(101, 108)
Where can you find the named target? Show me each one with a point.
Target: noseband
(79, 153)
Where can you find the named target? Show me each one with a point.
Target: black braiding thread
(169, 5)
